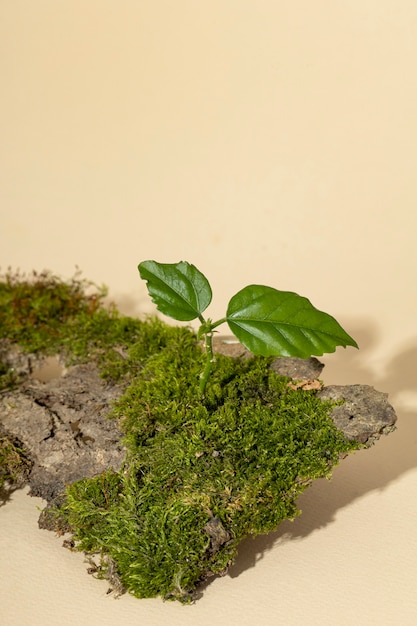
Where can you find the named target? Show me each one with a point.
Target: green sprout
(266, 321)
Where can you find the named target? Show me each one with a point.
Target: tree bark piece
(365, 413)
(64, 427)
(63, 423)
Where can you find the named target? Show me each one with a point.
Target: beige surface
(271, 142)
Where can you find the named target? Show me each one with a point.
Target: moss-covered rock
(201, 475)
(197, 475)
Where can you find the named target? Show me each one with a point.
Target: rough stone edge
(364, 415)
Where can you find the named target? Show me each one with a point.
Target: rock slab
(63, 422)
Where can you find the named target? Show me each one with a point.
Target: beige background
(271, 142)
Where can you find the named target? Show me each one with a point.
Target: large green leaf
(281, 323)
(179, 290)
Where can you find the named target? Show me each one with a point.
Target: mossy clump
(14, 465)
(42, 314)
(45, 315)
(9, 378)
(200, 475)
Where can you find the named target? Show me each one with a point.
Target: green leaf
(269, 322)
(179, 290)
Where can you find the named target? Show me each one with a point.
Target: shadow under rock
(363, 471)
(401, 371)
(349, 366)
(319, 504)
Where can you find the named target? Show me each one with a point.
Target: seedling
(266, 321)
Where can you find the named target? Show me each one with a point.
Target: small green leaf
(269, 322)
(179, 290)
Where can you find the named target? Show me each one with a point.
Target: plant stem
(215, 324)
(206, 329)
(208, 340)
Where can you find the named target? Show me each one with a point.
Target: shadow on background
(132, 305)
(364, 471)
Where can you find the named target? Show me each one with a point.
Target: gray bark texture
(62, 419)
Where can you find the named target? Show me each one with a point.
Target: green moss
(200, 475)
(44, 314)
(9, 379)
(242, 456)
(34, 309)
(14, 465)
